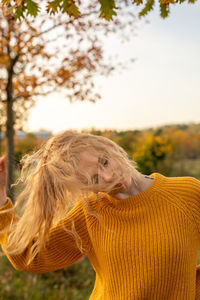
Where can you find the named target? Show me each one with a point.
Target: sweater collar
(135, 199)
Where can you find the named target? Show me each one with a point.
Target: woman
(141, 233)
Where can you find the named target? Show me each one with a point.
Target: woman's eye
(105, 163)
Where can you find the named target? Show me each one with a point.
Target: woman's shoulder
(186, 181)
(182, 186)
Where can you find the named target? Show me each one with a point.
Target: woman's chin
(116, 190)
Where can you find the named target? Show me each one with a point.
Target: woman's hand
(3, 175)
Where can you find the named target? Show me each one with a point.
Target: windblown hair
(52, 182)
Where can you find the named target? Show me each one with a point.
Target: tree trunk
(0, 140)
(10, 135)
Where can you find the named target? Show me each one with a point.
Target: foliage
(108, 8)
(74, 282)
(38, 57)
(150, 152)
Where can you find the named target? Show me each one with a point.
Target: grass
(73, 283)
(186, 167)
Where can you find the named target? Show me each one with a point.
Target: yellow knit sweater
(145, 248)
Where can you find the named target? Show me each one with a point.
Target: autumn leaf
(53, 6)
(32, 8)
(107, 9)
(70, 7)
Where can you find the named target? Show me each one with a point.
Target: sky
(161, 87)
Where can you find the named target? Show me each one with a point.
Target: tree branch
(34, 94)
(71, 21)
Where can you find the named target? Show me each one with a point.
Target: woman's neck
(143, 183)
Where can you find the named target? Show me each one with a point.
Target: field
(73, 283)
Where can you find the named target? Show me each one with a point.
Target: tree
(25, 145)
(42, 56)
(107, 8)
(150, 152)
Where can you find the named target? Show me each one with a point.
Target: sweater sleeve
(194, 208)
(60, 251)
(5, 220)
(193, 201)
(197, 283)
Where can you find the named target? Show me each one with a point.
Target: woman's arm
(60, 251)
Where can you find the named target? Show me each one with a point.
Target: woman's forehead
(88, 157)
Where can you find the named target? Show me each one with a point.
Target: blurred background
(133, 80)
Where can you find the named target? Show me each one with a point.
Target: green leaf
(148, 7)
(19, 13)
(107, 9)
(164, 10)
(32, 8)
(70, 8)
(53, 6)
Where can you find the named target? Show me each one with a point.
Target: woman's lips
(119, 185)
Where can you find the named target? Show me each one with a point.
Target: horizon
(39, 130)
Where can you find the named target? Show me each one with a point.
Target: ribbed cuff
(5, 218)
(197, 283)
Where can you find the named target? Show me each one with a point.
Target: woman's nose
(106, 175)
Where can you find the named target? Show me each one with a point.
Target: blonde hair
(51, 183)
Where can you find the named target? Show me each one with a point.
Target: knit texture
(143, 247)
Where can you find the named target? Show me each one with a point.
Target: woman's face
(101, 170)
